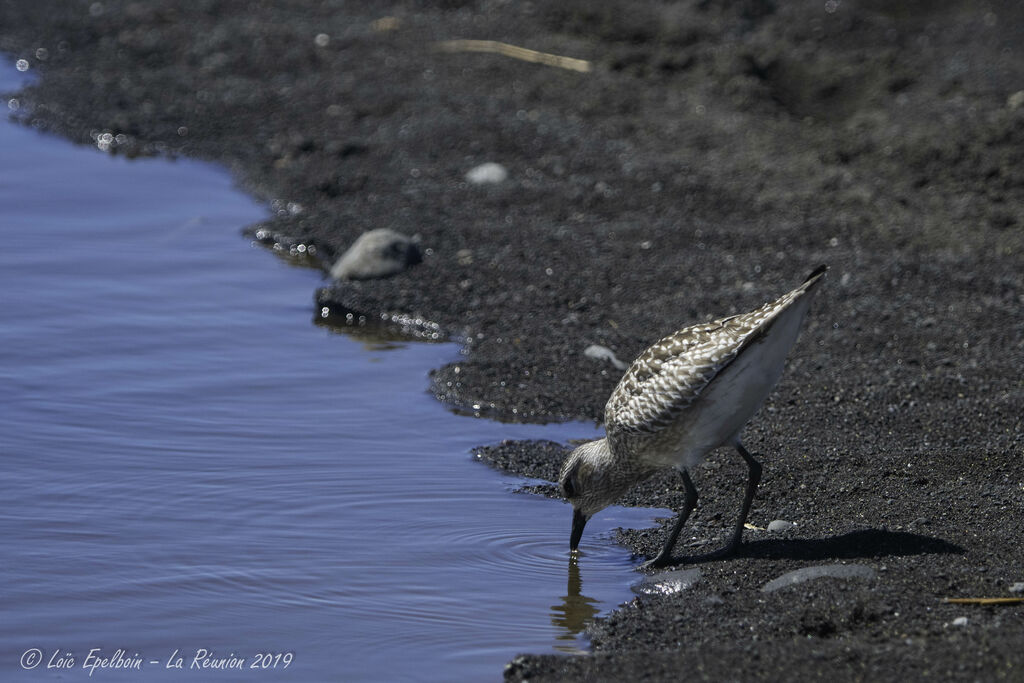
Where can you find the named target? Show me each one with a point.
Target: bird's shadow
(864, 543)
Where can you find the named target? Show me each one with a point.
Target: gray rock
(780, 525)
(1017, 587)
(836, 571)
(667, 583)
(598, 352)
(489, 173)
(377, 253)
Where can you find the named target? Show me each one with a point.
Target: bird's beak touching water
(579, 520)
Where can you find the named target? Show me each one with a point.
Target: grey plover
(686, 395)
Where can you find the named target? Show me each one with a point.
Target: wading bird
(686, 395)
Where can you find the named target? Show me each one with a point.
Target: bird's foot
(665, 560)
(661, 561)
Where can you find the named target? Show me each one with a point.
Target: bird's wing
(670, 375)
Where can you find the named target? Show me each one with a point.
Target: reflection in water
(575, 612)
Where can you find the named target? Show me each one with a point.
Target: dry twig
(515, 52)
(984, 601)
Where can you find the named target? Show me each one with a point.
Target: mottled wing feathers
(670, 375)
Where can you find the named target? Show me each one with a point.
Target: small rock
(836, 571)
(960, 621)
(667, 583)
(489, 173)
(1017, 587)
(780, 525)
(598, 352)
(377, 253)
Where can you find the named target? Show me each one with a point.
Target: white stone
(489, 173)
(377, 253)
(836, 571)
(960, 621)
(780, 525)
(598, 352)
(668, 583)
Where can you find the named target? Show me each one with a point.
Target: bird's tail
(816, 273)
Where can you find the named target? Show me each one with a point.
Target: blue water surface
(194, 473)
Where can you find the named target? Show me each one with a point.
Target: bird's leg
(752, 482)
(689, 503)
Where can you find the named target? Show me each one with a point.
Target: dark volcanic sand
(712, 157)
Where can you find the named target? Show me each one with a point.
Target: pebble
(377, 253)
(1017, 587)
(489, 173)
(598, 352)
(668, 583)
(836, 571)
(780, 525)
(960, 621)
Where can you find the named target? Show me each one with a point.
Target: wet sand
(710, 158)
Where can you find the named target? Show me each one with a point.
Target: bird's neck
(623, 470)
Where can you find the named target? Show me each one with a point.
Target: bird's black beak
(579, 520)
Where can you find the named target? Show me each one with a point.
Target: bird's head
(588, 481)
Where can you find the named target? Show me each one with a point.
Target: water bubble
(21, 65)
(183, 131)
(42, 54)
(96, 9)
(13, 104)
(322, 40)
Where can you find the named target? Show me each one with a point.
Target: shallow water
(190, 465)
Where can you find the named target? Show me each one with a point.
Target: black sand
(714, 154)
